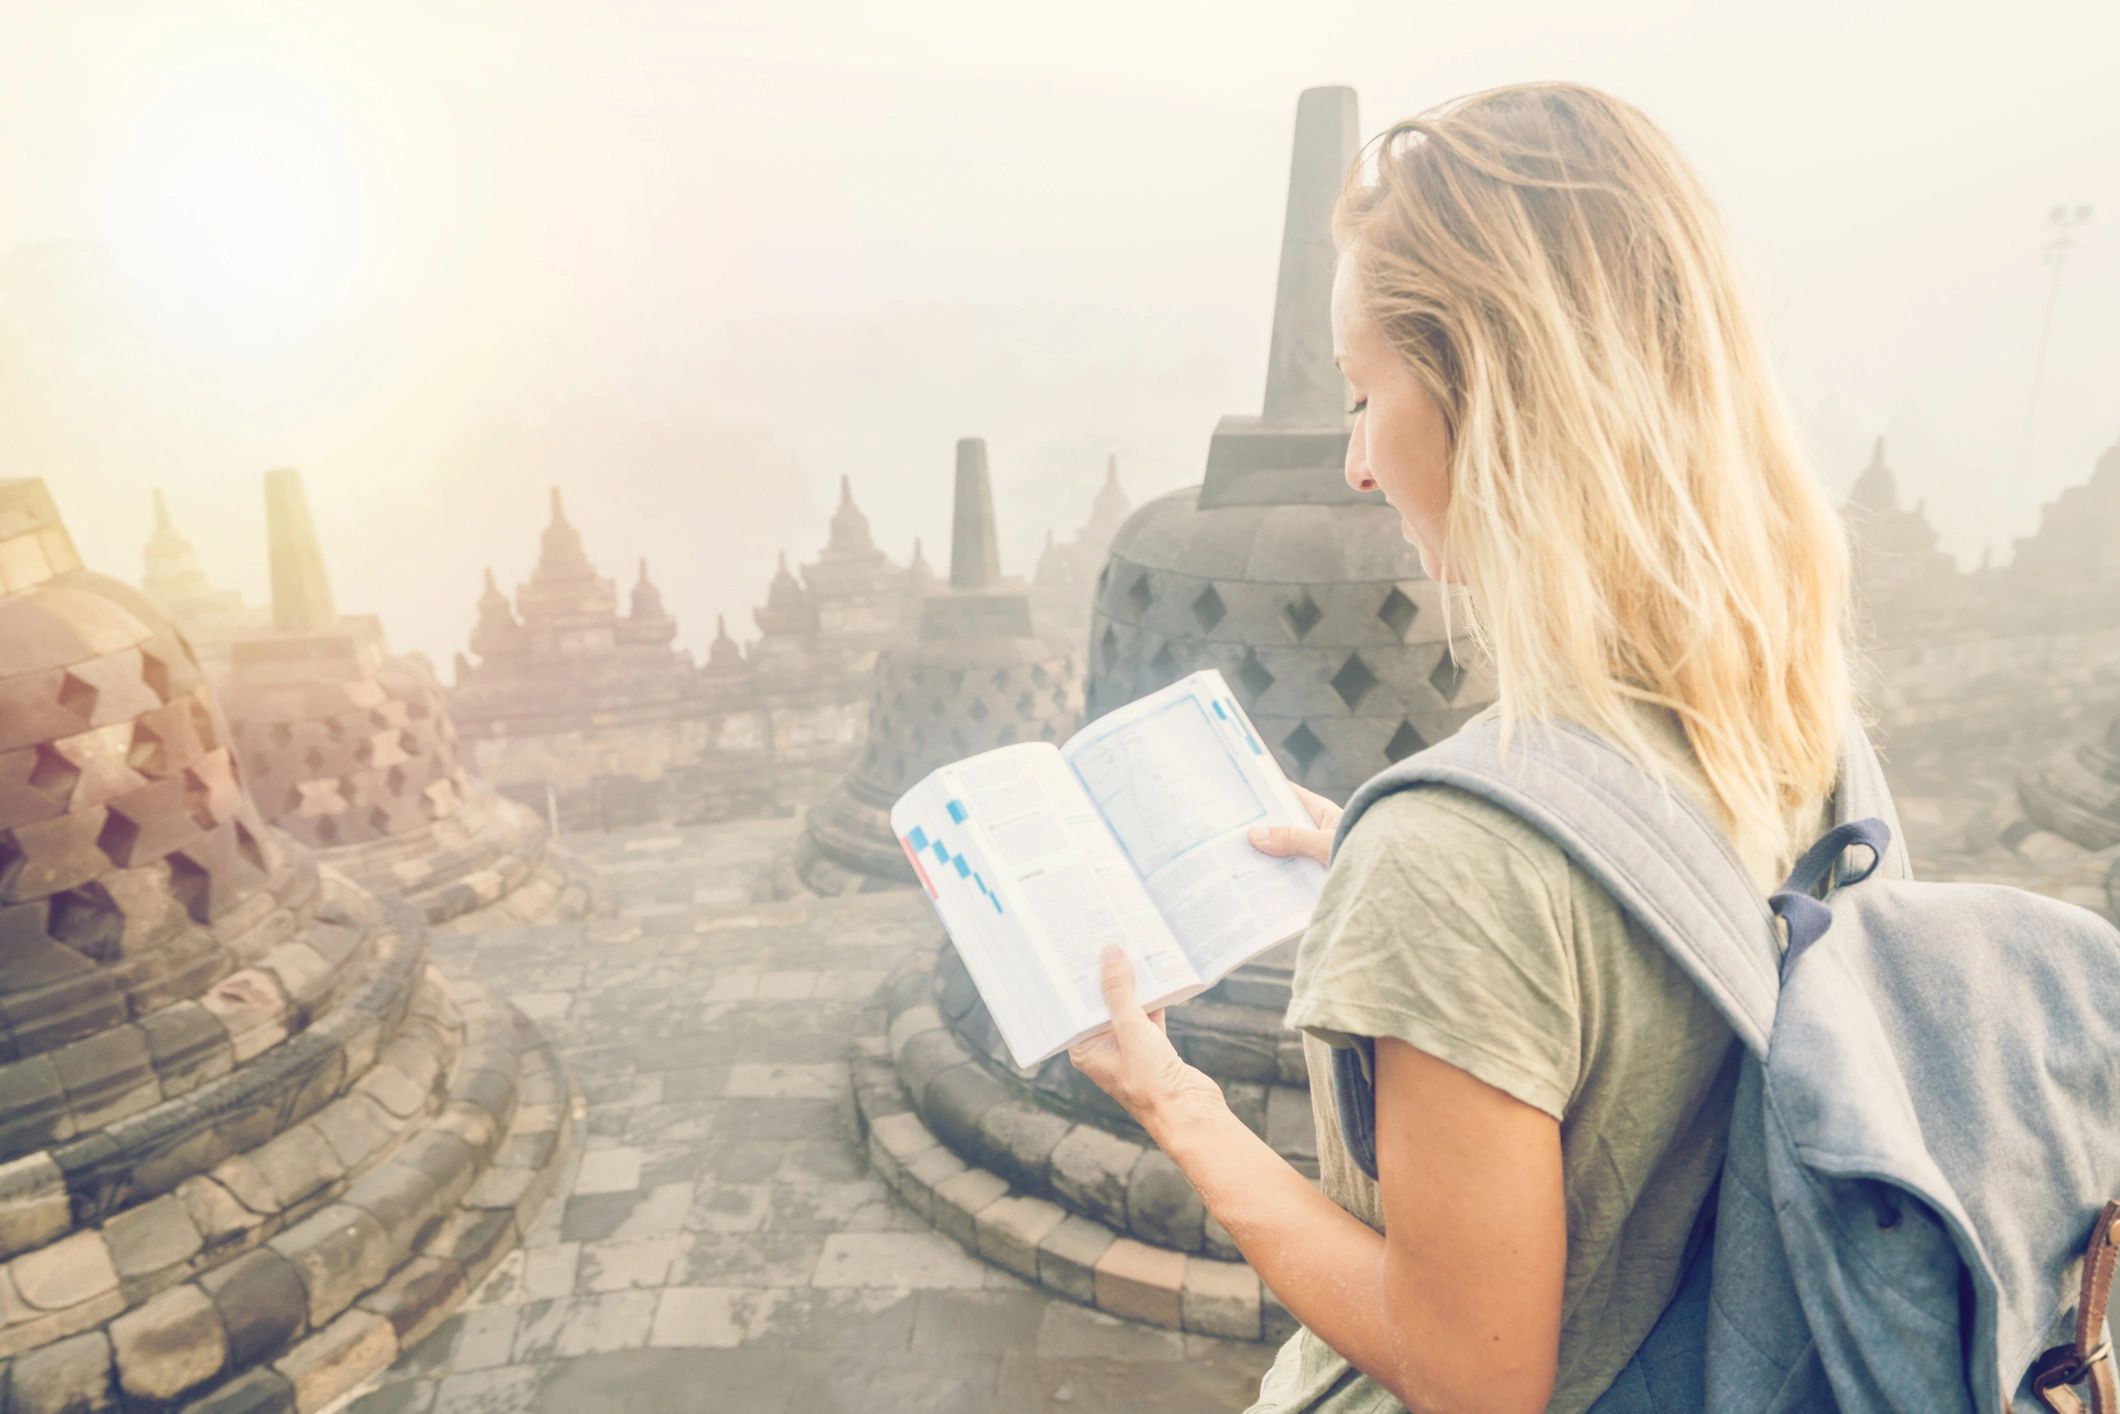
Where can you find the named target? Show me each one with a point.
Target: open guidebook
(1131, 832)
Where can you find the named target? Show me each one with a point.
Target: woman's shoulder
(1446, 824)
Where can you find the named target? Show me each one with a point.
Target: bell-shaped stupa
(352, 751)
(981, 672)
(251, 1144)
(1300, 589)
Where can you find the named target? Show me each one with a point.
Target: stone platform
(723, 1241)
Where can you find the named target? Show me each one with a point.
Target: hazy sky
(692, 262)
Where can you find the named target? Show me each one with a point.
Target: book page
(1179, 777)
(1032, 886)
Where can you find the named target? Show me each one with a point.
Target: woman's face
(1399, 444)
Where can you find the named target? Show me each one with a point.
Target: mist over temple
(562, 1025)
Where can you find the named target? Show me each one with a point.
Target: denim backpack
(1913, 1209)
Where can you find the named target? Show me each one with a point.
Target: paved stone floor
(721, 1244)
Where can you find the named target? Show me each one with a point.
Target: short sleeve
(1445, 922)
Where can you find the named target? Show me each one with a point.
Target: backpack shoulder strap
(1662, 860)
(1658, 856)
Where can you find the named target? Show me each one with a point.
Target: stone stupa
(352, 751)
(251, 1144)
(980, 672)
(1301, 590)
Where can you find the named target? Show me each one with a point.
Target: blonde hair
(1631, 510)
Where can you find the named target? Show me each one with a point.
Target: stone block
(337, 1358)
(1162, 1206)
(156, 1234)
(1141, 1283)
(169, 1344)
(33, 1203)
(355, 1127)
(1090, 1169)
(214, 1211)
(418, 1297)
(296, 1165)
(1220, 1298)
(340, 1252)
(261, 1301)
(260, 1391)
(1009, 1230)
(400, 1198)
(924, 1057)
(1020, 1139)
(70, 1376)
(960, 1200)
(956, 1101)
(66, 1273)
(1068, 1256)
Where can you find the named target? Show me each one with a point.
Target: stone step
(1046, 1244)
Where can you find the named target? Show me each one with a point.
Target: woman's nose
(1358, 468)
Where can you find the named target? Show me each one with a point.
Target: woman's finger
(1286, 841)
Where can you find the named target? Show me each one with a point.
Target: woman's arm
(1459, 1307)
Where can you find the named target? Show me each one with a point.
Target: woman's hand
(1288, 841)
(1135, 1063)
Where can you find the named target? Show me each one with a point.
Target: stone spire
(497, 632)
(975, 554)
(648, 623)
(647, 599)
(1109, 511)
(724, 657)
(301, 591)
(1875, 490)
(1303, 389)
(787, 607)
(850, 528)
(560, 554)
(172, 572)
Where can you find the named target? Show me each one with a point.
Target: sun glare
(238, 201)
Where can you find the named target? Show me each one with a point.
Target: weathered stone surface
(170, 1344)
(73, 1270)
(340, 1252)
(1161, 1204)
(1141, 1283)
(33, 1203)
(1220, 1298)
(1009, 1230)
(1068, 1257)
(337, 1357)
(1091, 1169)
(70, 1376)
(262, 1303)
(155, 1235)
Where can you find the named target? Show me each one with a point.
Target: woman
(1557, 386)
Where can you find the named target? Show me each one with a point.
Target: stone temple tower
(981, 672)
(352, 751)
(1299, 589)
(251, 1144)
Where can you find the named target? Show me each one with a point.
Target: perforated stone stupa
(982, 673)
(1300, 590)
(352, 751)
(251, 1144)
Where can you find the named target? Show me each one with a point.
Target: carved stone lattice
(244, 1128)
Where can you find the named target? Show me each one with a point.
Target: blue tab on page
(918, 838)
(956, 809)
(1218, 710)
(941, 853)
(964, 870)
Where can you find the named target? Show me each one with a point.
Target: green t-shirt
(1450, 924)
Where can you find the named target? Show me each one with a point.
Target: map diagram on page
(1167, 783)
